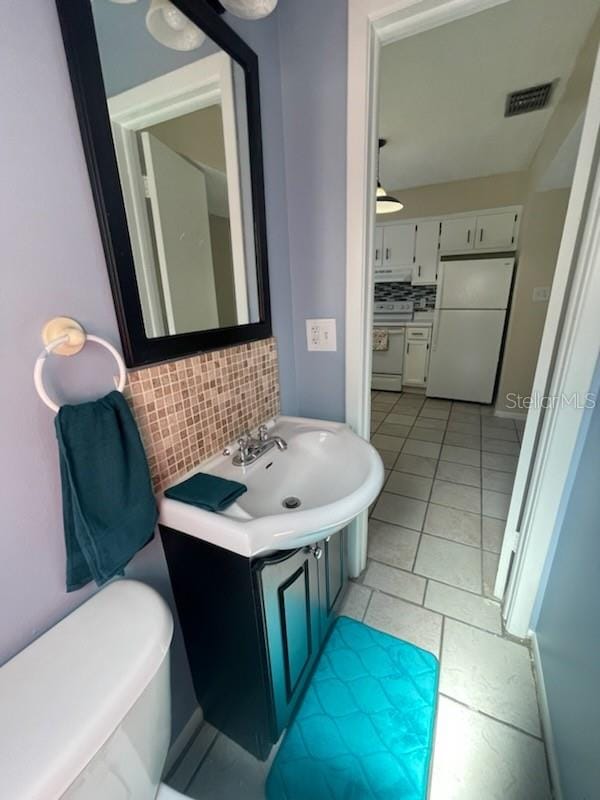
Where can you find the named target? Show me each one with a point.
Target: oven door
(388, 364)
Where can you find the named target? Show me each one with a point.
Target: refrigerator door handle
(436, 330)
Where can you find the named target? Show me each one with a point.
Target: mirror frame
(83, 59)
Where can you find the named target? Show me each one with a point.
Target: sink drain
(292, 502)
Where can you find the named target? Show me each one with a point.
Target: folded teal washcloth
(109, 509)
(207, 491)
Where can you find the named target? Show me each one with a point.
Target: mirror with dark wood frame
(167, 97)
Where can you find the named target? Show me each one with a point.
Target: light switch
(541, 294)
(321, 334)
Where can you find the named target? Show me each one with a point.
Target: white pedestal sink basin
(332, 472)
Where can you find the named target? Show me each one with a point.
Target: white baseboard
(545, 717)
(502, 412)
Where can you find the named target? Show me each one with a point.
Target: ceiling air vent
(525, 100)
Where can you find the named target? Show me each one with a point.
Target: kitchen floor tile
(478, 758)
(450, 523)
(466, 408)
(456, 495)
(398, 510)
(463, 440)
(392, 544)
(391, 429)
(382, 404)
(415, 447)
(459, 473)
(388, 458)
(400, 419)
(492, 531)
(395, 581)
(468, 428)
(391, 443)
(460, 416)
(495, 504)
(500, 446)
(409, 485)
(498, 422)
(461, 455)
(356, 601)
(416, 465)
(464, 606)
(506, 434)
(433, 424)
(490, 568)
(500, 462)
(449, 562)
(435, 413)
(497, 481)
(490, 674)
(426, 434)
(377, 416)
(406, 621)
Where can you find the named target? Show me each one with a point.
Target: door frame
(571, 331)
(199, 85)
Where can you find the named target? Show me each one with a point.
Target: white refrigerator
(470, 316)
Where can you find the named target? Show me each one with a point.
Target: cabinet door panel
(426, 252)
(415, 363)
(333, 578)
(399, 245)
(289, 588)
(496, 231)
(457, 235)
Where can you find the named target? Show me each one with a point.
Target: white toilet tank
(85, 710)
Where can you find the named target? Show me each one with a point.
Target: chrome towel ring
(65, 337)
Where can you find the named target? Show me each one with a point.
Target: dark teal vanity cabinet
(254, 628)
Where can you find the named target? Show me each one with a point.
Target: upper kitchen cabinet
(426, 252)
(378, 246)
(497, 231)
(399, 245)
(457, 234)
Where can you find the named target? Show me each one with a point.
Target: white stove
(390, 313)
(388, 364)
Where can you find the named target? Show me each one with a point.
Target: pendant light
(385, 203)
(250, 9)
(170, 26)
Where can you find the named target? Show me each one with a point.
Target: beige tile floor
(435, 533)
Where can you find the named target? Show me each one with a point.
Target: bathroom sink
(322, 481)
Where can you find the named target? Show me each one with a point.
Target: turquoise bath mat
(364, 730)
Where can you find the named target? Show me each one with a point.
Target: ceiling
(442, 93)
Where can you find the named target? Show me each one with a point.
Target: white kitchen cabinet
(426, 252)
(496, 231)
(399, 245)
(378, 246)
(416, 356)
(457, 235)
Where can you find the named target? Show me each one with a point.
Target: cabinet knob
(316, 551)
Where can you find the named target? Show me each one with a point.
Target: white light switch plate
(321, 334)
(541, 294)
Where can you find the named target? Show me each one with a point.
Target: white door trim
(203, 83)
(372, 23)
(564, 364)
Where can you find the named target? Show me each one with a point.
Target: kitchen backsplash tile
(188, 410)
(405, 291)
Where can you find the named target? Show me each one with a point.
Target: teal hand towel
(109, 509)
(207, 491)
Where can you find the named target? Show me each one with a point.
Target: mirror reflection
(177, 107)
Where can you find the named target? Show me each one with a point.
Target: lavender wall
(313, 44)
(53, 264)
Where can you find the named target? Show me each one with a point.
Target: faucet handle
(263, 433)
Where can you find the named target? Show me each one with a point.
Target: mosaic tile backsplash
(188, 410)
(405, 291)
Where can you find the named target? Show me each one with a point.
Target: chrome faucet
(251, 449)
